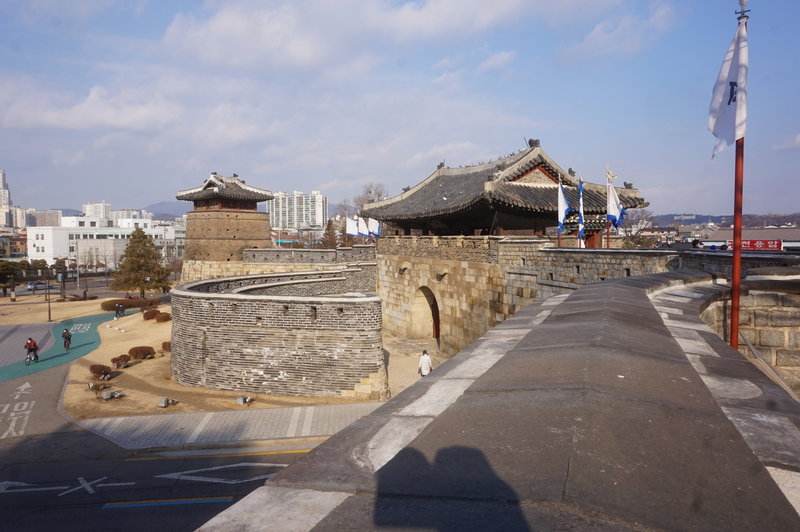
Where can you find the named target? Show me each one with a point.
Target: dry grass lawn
(145, 382)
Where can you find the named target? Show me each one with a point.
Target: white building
(298, 211)
(5, 194)
(133, 214)
(99, 210)
(92, 245)
(85, 221)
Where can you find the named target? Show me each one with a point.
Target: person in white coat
(425, 363)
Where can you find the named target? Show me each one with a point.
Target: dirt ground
(145, 382)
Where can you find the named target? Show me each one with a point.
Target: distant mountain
(691, 219)
(168, 210)
(748, 220)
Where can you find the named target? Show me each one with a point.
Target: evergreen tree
(329, 239)
(140, 266)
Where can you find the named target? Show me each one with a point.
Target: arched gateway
(424, 322)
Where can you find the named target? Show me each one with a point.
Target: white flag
(581, 243)
(351, 227)
(614, 211)
(362, 227)
(374, 227)
(727, 114)
(563, 208)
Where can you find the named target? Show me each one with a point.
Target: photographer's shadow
(458, 491)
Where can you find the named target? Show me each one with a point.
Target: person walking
(425, 363)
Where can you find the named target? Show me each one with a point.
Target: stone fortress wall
(312, 333)
(770, 322)
(222, 235)
(274, 260)
(452, 288)
(477, 282)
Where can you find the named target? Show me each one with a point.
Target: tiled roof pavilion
(225, 191)
(516, 192)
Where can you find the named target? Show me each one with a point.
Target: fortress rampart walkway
(612, 408)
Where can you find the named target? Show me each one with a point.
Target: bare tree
(636, 222)
(344, 208)
(370, 193)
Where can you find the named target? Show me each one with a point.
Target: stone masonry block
(762, 318)
(788, 357)
(793, 339)
(766, 299)
(784, 318)
(791, 300)
(772, 338)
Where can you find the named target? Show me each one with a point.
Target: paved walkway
(85, 339)
(217, 429)
(607, 409)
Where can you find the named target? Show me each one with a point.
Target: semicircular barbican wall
(299, 333)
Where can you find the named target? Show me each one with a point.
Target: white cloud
(237, 37)
(302, 35)
(626, 35)
(27, 106)
(792, 144)
(498, 60)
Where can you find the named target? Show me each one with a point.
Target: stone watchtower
(224, 222)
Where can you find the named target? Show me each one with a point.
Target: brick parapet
(285, 343)
(364, 253)
(770, 323)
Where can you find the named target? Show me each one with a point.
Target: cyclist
(32, 347)
(67, 336)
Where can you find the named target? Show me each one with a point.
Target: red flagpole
(736, 266)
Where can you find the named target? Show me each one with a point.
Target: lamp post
(47, 292)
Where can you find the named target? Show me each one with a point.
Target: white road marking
(307, 421)
(83, 484)
(22, 389)
(293, 423)
(8, 486)
(186, 475)
(200, 426)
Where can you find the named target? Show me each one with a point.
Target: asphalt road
(55, 475)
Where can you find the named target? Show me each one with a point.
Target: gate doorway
(424, 322)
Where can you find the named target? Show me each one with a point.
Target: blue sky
(131, 101)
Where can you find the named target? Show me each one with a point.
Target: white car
(37, 285)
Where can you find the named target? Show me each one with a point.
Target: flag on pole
(351, 227)
(614, 211)
(362, 227)
(580, 213)
(563, 208)
(727, 114)
(374, 227)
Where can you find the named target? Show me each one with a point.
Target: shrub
(163, 316)
(166, 346)
(141, 352)
(149, 314)
(110, 304)
(100, 372)
(121, 361)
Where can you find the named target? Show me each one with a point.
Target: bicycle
(32, 356)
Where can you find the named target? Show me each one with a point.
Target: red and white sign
(760, 245)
